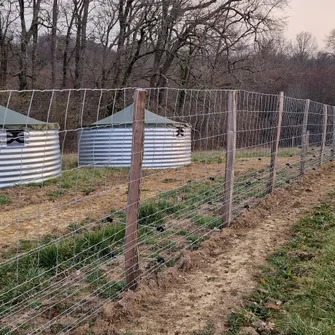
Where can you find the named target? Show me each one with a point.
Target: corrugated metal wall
(36, 160)
(112, 147)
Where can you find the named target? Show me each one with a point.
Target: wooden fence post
(333, 139)
(135, 174)
(292, 142)
(324, 134)
(304, 138)
(275, 145)
(230, 158)
(307, 140)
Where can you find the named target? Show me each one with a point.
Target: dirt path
(222, 272)
(19, 221)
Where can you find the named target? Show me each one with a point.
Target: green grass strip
(299, 279)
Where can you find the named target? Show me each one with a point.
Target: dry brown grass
(69, 161)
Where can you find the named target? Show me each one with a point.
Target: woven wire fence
(64, 178)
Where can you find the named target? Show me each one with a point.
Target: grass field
(296, 291)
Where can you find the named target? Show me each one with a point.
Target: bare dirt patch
(217, 277)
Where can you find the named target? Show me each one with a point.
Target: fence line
(94, 201)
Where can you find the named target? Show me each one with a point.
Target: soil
(206, 285)
(31, 215)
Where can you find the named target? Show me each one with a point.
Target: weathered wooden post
(304, 138)
(230, 158)
(324, 134)
(333, 139)
(275, 145)
(307, 139)
(134, 188)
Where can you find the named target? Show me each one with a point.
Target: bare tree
(8, 16)
(330, 41)
(216, 32)
(69, 16)
(133, 21)
(26, 35)
(105, 22)
(81, 8)
(55, 11)
(305, 46)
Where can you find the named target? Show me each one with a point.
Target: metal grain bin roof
(10, 119)
(125, 117)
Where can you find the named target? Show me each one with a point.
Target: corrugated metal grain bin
(29, 149)
(108, 142)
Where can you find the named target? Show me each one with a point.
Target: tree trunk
(77, 55)
(80, 48)
(124, 9)
(23, 62)
(103, 80)
(54, 43)
(160, 45)
(133, 60)
(24, 41)
(66, 50)
(83, 42)
(184, 78)
(33, 31)
(3, 66)
(34, 56)
(3, 58)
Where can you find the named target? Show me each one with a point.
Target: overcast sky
(315, 16)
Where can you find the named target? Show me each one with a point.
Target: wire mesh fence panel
(58, 231)
(317, 130)
(289, 158)
(257, 116)
(64, 181)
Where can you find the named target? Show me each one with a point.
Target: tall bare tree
(330, 41)
(305, 46)
(69, 16)
(55, 10)
(26, 35)
(81, 8)
(105, 22)
(8, 17)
